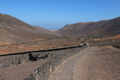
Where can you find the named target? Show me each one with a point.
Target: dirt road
(66, 70)
(94, 63)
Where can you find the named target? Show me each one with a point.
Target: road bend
(66, 70)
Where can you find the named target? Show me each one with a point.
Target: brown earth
(113, 41)
(101, 63)
(97, 63)
(18, 36)
(20, 72)
(102, 28)
(15, 30)
(26, 67)
(35, 45)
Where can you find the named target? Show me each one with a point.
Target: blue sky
(54, 14)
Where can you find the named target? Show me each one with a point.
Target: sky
(55, 14)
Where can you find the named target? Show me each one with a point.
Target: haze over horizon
(54, 14)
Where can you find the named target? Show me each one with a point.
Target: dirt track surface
(98, 63)
(66, 70)
(33, 66)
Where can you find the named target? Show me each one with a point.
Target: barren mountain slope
(12, 29)
(105, 27)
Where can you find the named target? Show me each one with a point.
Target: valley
(80, 51)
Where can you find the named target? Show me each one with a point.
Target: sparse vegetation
(34, 46)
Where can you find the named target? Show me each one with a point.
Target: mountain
(13, 29)
(101, 28)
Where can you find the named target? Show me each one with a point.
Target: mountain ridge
(103, 27)
(13, 29)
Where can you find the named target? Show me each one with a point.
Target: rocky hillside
(105, 27)
(12, 29)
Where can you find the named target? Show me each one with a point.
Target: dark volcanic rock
(56, 58)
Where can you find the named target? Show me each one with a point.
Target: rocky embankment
(49, 59)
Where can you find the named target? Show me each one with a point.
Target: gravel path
(101, 63)
(94, 63)
(66, 70)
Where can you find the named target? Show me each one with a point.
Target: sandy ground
(101, 63)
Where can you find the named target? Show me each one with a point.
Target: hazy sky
(54, 14)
